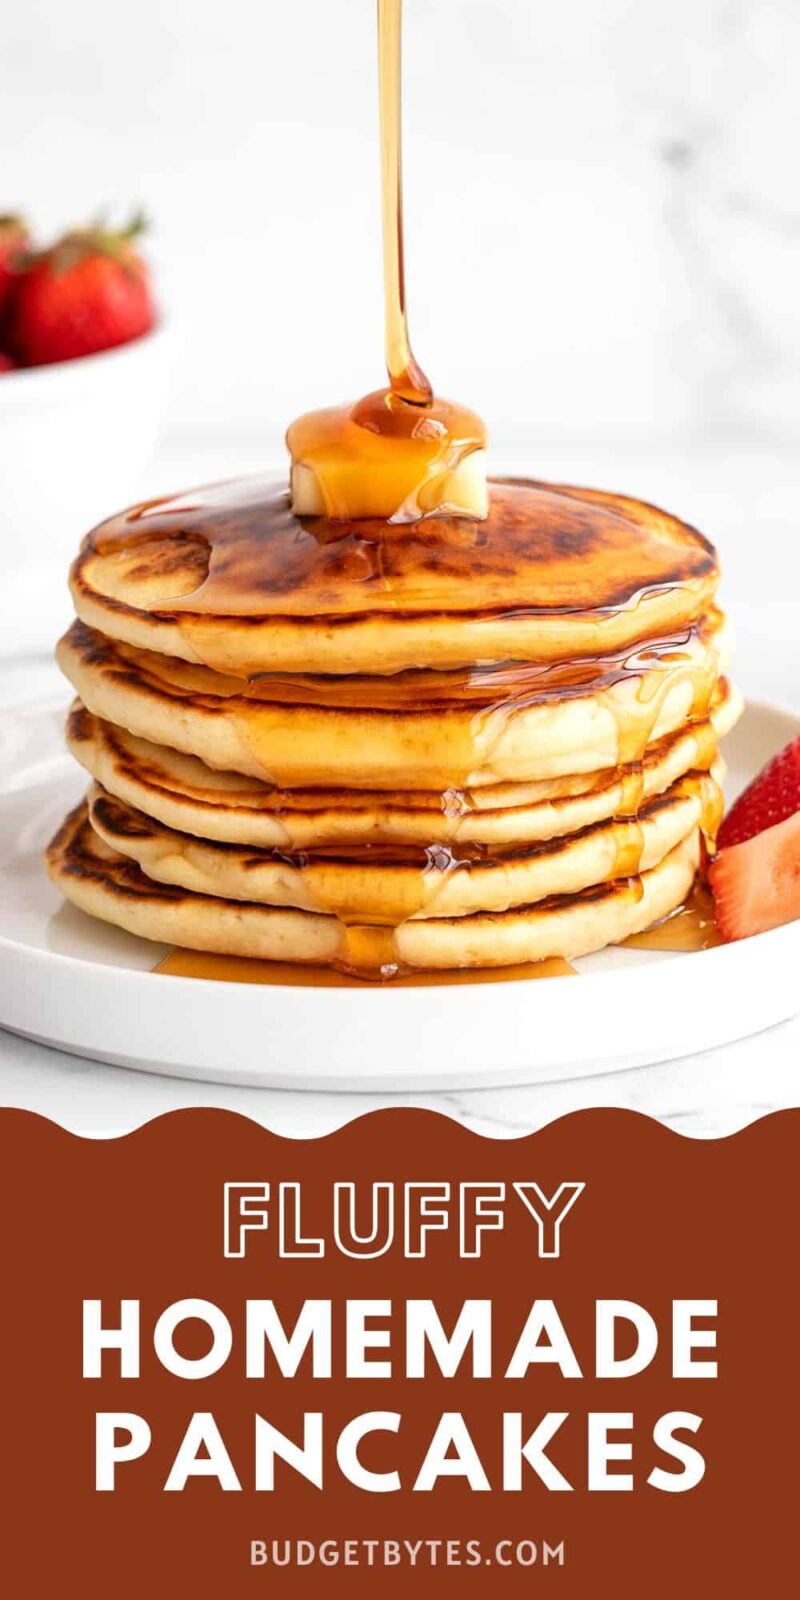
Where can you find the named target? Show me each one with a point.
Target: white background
(603, 200)
(603, 205)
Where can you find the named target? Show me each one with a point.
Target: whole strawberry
(90, 292)
(14, 242)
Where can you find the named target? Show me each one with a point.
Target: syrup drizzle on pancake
(302, 737)
(237, 550)
(374, 891)
(114, 888)
(692, 927)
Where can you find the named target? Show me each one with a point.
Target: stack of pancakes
(381, 747)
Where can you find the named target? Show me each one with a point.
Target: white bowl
(74, 438)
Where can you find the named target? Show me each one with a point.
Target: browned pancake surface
(237, 550)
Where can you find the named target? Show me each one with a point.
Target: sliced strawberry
(755, 877)
(771, 797)
(756, 885)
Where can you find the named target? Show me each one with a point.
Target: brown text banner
(402, 1355)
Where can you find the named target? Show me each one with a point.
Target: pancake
(388, 884)
(418, 730)
(182, 793)
(110, 886)
(230, 577)
(374, 745)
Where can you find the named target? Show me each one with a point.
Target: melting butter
(389, 459)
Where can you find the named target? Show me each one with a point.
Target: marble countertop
(747, 500)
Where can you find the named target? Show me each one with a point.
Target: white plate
(69, 981)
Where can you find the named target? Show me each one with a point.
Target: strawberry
(755, 877)
(14, 242)
(90, 292)
(772, 797)
(7, 364)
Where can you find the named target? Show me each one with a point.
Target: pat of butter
(386, 459)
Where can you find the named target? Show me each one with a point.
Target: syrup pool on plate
(234, 969)
(690, 928)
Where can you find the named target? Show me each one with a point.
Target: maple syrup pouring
(406, 377)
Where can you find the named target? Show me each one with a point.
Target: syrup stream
(406, 377)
